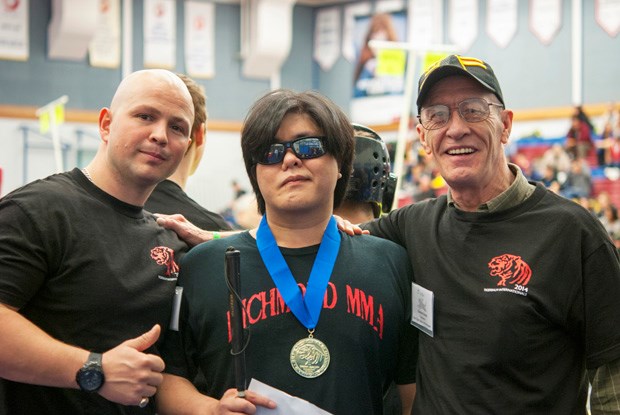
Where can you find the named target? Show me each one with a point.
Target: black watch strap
(94, 358)
(90, 377)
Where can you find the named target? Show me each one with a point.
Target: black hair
(263, 121)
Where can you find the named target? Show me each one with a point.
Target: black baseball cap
(476, 69)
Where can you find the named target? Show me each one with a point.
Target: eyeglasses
(471, 110)
(303, 147)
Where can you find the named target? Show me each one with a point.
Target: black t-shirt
(89, 270)
(364, 322)
(168, 198)
(524, 300)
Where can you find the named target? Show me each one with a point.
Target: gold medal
(309, 357)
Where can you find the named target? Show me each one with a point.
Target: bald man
(87, 277)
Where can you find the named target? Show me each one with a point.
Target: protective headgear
(371, 180)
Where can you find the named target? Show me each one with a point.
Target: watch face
(90, 380)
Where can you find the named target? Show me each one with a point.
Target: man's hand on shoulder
(186, 230)
(349, 228)
(190, 233)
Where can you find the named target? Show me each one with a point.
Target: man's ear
(105, 118)
(200, 137)
(506, 118)
(422, 135)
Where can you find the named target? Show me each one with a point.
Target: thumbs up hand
(130, 374)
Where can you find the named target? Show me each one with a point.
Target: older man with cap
(516, 288)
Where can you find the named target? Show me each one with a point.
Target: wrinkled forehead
(455, 88)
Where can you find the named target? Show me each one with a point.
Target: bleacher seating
(534, 147)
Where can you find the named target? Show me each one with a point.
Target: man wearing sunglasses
(329, 319)
(521, 285)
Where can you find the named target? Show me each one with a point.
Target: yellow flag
(430, 58)
(391, 62)
(44, 122)
(59, 112)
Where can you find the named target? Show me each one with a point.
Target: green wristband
(216, 235)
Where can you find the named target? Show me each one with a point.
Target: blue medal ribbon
(306, 308)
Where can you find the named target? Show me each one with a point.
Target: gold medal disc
(309, 357)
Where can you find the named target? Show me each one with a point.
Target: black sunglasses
(303, 147)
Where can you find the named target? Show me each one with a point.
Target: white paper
(422, 306)
(425, 23)
(176, 308)
(200, 39)
(71, 28)
(287, 404)
(14, 30)
(105, 49)
(160, 34)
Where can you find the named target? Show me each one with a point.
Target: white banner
(425, 23)
(348, 32)
(545, 19)
(105, 49)
(14, 41)
(200, 39)
(463, 23)
(160, 34)
(501, 21)
(327, 37)
(607, 14)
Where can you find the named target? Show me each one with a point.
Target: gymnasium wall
(536, 80)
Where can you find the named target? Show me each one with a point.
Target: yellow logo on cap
(467, 61)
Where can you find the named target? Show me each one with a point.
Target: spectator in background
(578, 182)
(549, 176)
(602, 201)
(579, 136)
(424, 189)
(611, 223)
(527, 166)
(604, 145)
(586, 203)
(612, 152)
(238, 191)
(245, 211)
(557, 157)
(169, 196)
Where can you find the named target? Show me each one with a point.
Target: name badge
(422, 302)
(176, 308)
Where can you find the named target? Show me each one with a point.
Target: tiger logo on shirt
(511, 269)
(165, 256)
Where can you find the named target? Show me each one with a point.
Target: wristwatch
(90, 377)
